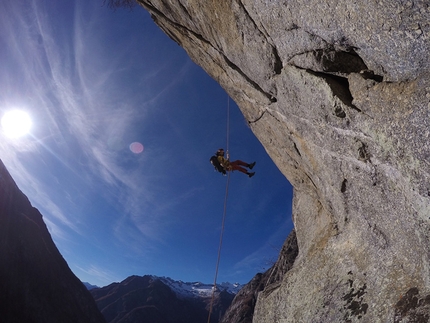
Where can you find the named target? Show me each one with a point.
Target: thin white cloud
(98, 275)
(84, 117)
(258, 260)
(67, 109)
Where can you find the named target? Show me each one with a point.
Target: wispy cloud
(83, 114)
(265, 256)
(99, 275)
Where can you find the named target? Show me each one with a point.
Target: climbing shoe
(251, 174)
(250, 166)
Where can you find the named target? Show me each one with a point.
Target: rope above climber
(223, 164)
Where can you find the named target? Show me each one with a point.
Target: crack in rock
(340, 88)
(248, 79)
(277, 64)
(328, 60)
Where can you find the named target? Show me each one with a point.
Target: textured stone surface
(338, 92)
(36, 284)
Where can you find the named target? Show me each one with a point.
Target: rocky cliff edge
(338, 92)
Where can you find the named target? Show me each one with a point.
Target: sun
(16, 123)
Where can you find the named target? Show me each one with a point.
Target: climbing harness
(224, 213)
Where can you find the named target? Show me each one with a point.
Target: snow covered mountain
(198, 289)
(162, 300)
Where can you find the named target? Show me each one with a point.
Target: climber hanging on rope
(224, 164)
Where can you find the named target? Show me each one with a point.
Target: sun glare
(16, 123)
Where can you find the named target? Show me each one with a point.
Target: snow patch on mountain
(198, 289)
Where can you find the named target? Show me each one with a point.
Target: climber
(234, 165)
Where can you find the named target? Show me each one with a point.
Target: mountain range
(153, 299)
(38, 286)
(162, 300)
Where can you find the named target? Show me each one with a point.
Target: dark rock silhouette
(36, 284)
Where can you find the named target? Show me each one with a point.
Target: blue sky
(94, 81)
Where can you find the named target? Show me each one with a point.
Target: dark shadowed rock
(36, 284)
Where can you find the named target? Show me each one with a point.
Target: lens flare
(136, 147)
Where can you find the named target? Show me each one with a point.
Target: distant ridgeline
(155, 299)
(162, 300)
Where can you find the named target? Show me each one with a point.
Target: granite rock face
(36, 284)
(338, 92)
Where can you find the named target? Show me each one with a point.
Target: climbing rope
(228, 126)
(219, 248)
(223, 216)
